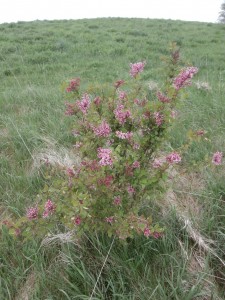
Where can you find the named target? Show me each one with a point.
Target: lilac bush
(117, 136)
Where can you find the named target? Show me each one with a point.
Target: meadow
(35, 59)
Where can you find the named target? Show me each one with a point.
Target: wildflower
(173, 157)
(104, 155)
(124, 135)
(32, 213)
(147, 232)
(217, 158)
(158, 118)
(102, 130)
(121, 115)
(136, 68)
(117, 200)
(49, 208)
(84, 103)
(184, 78)
(162, 98)
(73, 85)
(118, 83)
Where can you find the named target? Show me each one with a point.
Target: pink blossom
(147, 232)
(130, 190)
(32, 213)
(104, 155)
(217, 158)
(158, 118)
(136, 164)
(120, 114)
(122, 95)
(107, 180)
(157, 163)
(109, 220)
(102, 130)
(97, 100)
(124, 135)
(117, 200)
(162, 98)
(184, 78)
(136, 68)
(118, 83)
(84, 103)
(173, 157)
(49, 208)
(73, 85)
(77, 221)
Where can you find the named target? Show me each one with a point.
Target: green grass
(35, 58)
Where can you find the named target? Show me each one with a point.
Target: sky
(188, 10)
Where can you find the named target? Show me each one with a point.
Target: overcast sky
(189, 10)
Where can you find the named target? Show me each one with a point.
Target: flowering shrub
(117, 136)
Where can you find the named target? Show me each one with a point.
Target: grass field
(35, 58)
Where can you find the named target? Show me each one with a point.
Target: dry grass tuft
(54, 155)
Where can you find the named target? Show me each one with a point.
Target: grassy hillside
(35, 58)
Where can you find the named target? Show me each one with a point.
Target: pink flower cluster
(73, 85)
(70, 109)
(32, 213)
(122, 95)
(97, 101)
(102, 130)
(173, 157)
(49, 208)
(184, 78)
(217, 158)
(117, 200)
(136, 164)
(157, 163)
(130, 190)
(84, 103)
(124, 135)
(77, 221)
(158, 118)
(136, 68)
(104, 155)
(121, 115)
(162, 98)
(107, 181)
